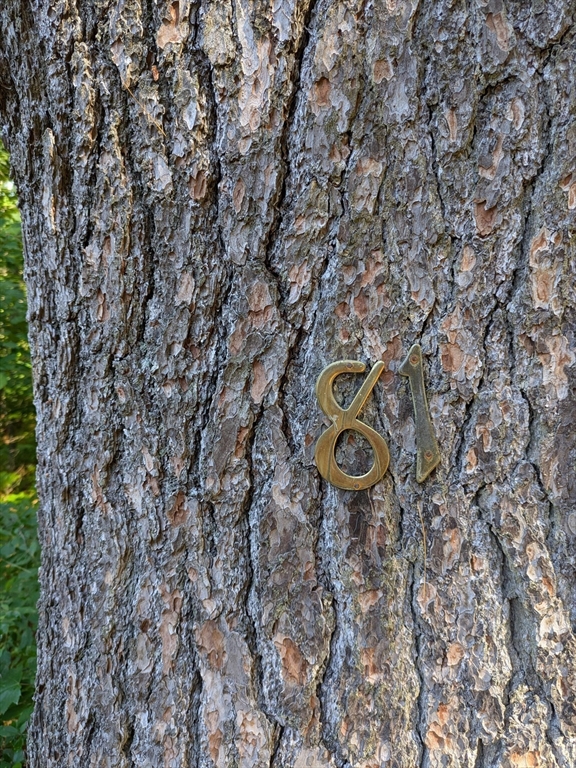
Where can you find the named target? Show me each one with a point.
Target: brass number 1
(428, 455)
(343, 419)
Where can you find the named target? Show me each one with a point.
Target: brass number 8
(343, 419)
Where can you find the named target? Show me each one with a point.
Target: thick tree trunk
(219, 199)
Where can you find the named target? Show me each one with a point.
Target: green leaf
(9, 689)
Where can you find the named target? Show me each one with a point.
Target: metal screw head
(428, 455)
(356, 486)
(414, 359)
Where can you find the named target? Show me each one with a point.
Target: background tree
(218, 199)
(17, 451)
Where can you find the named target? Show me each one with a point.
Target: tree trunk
(219, 199)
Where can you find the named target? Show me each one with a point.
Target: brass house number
(428, 455)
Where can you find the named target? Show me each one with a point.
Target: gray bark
(219, 199)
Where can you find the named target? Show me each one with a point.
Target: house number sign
(428, 455)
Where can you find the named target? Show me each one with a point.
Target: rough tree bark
(219, 198)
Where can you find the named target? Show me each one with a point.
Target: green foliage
(19, 551)
(19, 555)
(17, 446)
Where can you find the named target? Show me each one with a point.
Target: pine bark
(219, 199)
